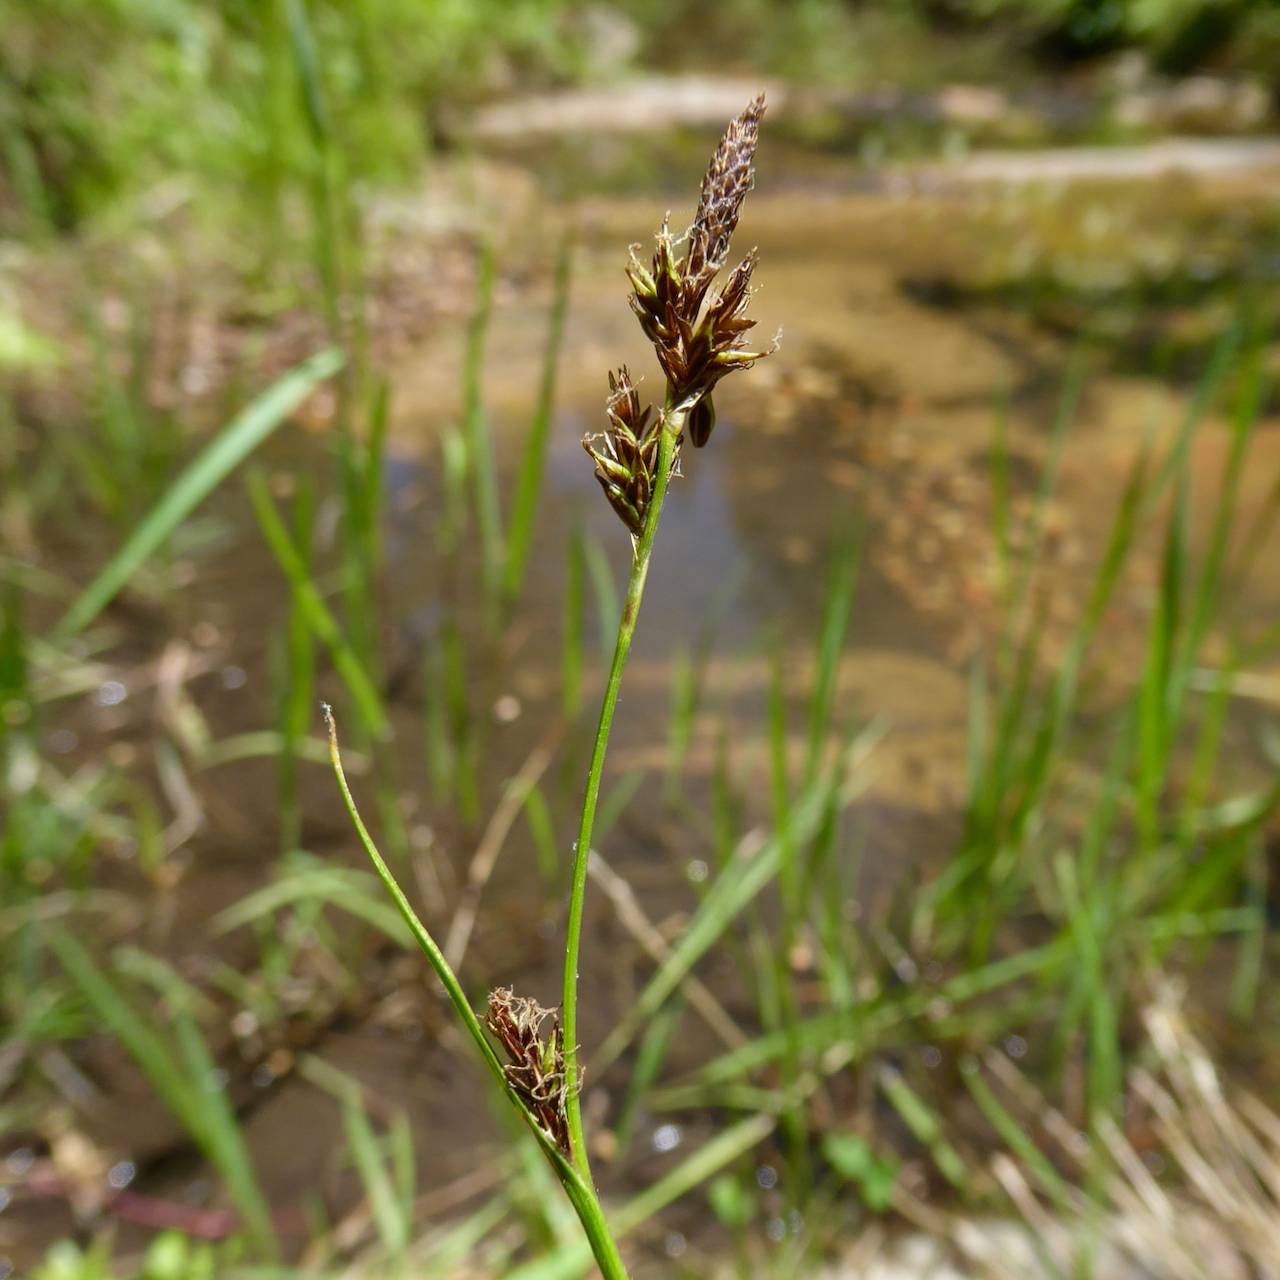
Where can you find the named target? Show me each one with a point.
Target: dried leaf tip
(536, 1070)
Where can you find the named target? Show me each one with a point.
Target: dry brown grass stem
(632, 918)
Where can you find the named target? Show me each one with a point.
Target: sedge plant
(698, 335)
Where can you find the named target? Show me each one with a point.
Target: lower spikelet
(536, 1070)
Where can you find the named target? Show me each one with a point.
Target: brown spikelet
(696, 341)
(536, 1070)
(626, 452)
(724, 188)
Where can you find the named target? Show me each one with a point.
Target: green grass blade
(542, 827)
(571, 1262)
(572, 646)
(863, 1025)
(1014, 1135)
(348, 890)
(1154, 727)
(216, 461)
(480, 459)
(615, 803)
(604, 591)
(321, 620)
(421, 935)
(524, 505)
(651, 1053)
(143, 1044)
(293, 672)
(841, 583)
(1250, 952)
(684, 707)
(385, 1205)
(1208, 592)
(223, 1141)
(181, 1080)
(734, 889)
(925, 1126)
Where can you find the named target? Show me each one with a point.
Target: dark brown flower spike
(536, 1070)
(626, 452)
(724, 187)
(697, 342)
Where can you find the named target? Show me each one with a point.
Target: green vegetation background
(102, 99)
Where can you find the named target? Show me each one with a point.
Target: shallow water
(908, 320)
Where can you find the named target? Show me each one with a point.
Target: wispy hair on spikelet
(536, 1070)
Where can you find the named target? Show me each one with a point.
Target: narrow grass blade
(572, 645)
(864, 1025)
(524, 505)
(309, 600)
(480, 460)
(1155, 719)
(216, 461)
(181, 1079)
(615, 803)
(1087, 921)
(1014, 1135)
(293, 678)
(350, 891)
(736, 886)
(1253, 396)
(421, 935)
(650, 1055)
(706, 1162)
(925, 1127)
(391, 1215)
(1250, 952)
(684, 706)
(542, 828)
(604, 591)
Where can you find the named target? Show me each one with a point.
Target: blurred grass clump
(1180, 35)
(100, 102)
(105, 103)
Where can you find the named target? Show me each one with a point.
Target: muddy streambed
(911, 320)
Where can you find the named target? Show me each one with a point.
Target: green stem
(673, 425)
(579, 1190)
